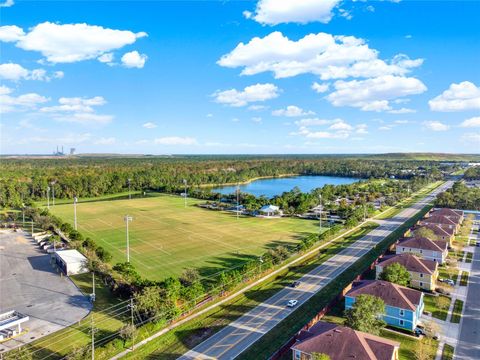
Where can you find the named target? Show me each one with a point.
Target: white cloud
(313, 122)
(77, 109)
(68, 43)
(273, 12)
(292, 111)
(105, 141)
(149, 125)
(325, 55)
(252, 93)
(16, 72)
(7, 3)
(257, 119)
(361, 129)
(175, 140)
(134, 59)
(458, 97)
(106, 58)
(435, 126)
(374, 94)
(402, 111)
(336, 129)
(320, 88)
(257, 107)
(9, 103)
(341, 125)
(471, 123)
(11, 33)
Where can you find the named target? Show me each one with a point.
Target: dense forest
(460, 197)
(24, 179)
(472, 173)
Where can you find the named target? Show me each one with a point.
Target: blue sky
(163, 77)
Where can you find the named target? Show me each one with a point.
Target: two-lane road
(239, 335)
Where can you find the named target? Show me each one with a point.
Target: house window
(402, 322)
(421, 251)
(421, 275)
(421, 284)
(298, 355)
(402, 313)
(403, 249)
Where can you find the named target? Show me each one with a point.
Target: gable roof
(438, 230)
(439, 219)
(392, 294)
(410, 262)
(447, 212)
(340, 342)
(423, 243)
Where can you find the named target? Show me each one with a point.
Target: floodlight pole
(75, 200)
(185, 193)
(238, 199)
(128, 218)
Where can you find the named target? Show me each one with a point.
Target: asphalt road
(469, 342)
(29, 284)
(239, 335)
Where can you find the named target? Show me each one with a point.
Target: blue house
(403, 306)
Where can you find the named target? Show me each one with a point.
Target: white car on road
(292, 303)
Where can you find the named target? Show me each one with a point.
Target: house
(424, 248)
(442, 221)
(270, 210)
(71, 262)
(423, 273)
(444, 234)
(403, 306)
(457, 215)
(340, 342)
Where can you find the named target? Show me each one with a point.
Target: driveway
(29, 284)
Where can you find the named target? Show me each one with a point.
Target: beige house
(423, 248)
(444, 234)
(442, 221)
(423, 273)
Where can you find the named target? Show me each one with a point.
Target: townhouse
(423, 248)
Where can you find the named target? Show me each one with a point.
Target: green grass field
(166, 237)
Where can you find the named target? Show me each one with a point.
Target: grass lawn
(448, 273)
(166, 237)
(431, 305)
(108, 314)
(469, 257)
(457, 311)
(447, 352)
(464, 279)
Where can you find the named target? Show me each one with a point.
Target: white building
(270, 210)
(71, 262)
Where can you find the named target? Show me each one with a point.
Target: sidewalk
(450, 332)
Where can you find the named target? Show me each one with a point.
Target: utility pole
(128, 218)
(320, 214)
(93, 339)
(238, 199)
(185, 193)
(48, 197)
(75, 200)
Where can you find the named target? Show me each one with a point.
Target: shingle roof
(423, 243)
(439, 219)
(447, 212)
(392, 294)
(438, 230)
(340, 343)
(410, 262)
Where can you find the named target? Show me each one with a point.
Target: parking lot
(30, 285)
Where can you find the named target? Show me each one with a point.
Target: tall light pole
(320, 214)
(129, 193)
(48, 197)
(127, 219)
(53, 192)
(185, 193)
(238, 199)
(75, 200)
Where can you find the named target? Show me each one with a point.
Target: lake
(276, 186)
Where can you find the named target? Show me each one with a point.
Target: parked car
(295, 284)
(449, 282)
(292, 303)
(419, 331)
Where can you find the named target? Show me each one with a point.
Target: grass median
(457, 311)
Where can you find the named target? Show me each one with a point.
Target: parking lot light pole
(127, 219)
(75, 200)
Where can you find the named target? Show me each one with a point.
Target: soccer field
(166, 237)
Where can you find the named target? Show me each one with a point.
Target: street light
(75, 200)
(48, 197)
(127, 219)
(185, 193)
